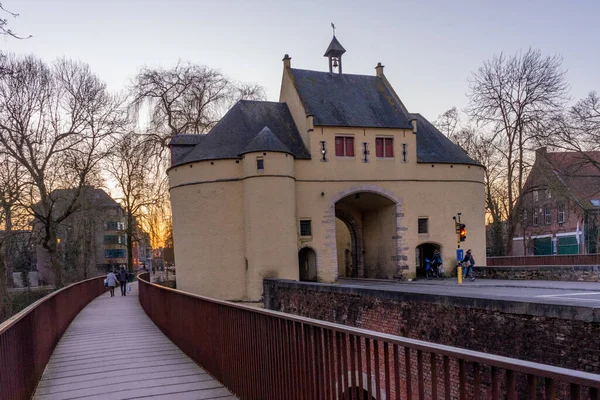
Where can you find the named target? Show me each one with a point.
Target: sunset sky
(429, 48)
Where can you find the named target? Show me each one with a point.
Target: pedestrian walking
(469, 263)
(123, 281)
(111, 282)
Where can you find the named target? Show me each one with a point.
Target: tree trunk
(129, 242)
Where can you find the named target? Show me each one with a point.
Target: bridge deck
(112, 350)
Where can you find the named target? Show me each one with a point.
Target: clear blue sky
(429, 48)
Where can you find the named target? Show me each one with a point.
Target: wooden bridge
(166, 344)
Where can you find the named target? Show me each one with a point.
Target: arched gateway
(367, 228)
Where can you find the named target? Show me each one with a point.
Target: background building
(337, 179)
(93, 239)
(560, 208)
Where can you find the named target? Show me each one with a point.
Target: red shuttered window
(384, 147)
(344, 146)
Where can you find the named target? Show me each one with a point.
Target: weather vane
(333, 27)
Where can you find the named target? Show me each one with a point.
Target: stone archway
(327, 265)
(307, 262)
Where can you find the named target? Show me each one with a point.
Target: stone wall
(588, 273)
(564, 336)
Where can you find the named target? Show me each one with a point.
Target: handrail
(300, 337)
(28, 338)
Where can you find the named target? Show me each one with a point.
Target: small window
(535, 217)
(547, 216)
(404, 152)
(524, 217)
(561, 213)
(344, 146)
(260, 164)
(305, 227)
(536, 195)
(423, 225)
(549, 193)
(384, 147)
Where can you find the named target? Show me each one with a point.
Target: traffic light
(462, 232)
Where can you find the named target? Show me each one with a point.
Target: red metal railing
(560, 260)
(29, 337)
(263, 354)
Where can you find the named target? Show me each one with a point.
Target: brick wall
(564, 336)
(588, 273)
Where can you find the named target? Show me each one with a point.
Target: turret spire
(334, 53)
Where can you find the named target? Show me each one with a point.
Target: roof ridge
(333, 73)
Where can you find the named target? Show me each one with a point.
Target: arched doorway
(355, 393)
(422, 252)
(370, 221)
(307, 262)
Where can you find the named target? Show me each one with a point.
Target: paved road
(112, 350)
(586, 294)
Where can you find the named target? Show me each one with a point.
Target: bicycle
(436, 271)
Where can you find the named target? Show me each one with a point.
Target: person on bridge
(111, 282)
(123, 281)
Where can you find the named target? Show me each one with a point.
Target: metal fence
(560, 260)
(263, 354)
(29, 337)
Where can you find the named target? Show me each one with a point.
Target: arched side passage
(328, 271)
(425, 250)
(307, 262)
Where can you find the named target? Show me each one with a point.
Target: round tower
(269, 212)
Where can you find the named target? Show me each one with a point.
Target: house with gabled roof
(336, 179)
(560, 207)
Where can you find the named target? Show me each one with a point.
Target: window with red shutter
(339, 146)
(384, 147)
(349, 146)
(379, 147)
(389, 147)
(344, 146)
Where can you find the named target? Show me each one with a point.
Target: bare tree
(448, 123)
(54, 121)
(131, 166)
(4, 29)
(516, 98)
(187, 98)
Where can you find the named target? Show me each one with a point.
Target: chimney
(379, 70)
(287, 61)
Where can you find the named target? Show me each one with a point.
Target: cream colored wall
(269, 220)
(209, 239)
(343, 243)
(289, 95)
(439, 201)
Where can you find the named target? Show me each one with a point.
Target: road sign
(460, 254)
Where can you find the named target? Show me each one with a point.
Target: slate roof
(434, 147)
(335, 48)
(239, 127)
(186, 140)
(349, 100)
(266, 141)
